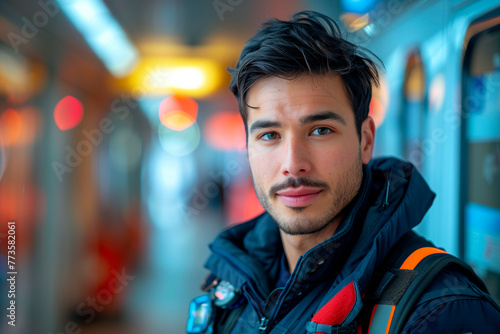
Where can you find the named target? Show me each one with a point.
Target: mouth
(298, 197)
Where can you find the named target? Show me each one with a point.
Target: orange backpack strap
(383, 314)
(393, 294)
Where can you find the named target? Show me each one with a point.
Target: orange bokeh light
(379, 102)
(377, 111)
(16, 199)
(10, 127)
(225, 131)
(68, 113)
(178, 112)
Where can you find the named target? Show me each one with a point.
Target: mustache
(297, 182)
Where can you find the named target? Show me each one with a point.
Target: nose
(296, 160)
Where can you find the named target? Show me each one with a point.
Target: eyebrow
(263, 124)
(321, 116)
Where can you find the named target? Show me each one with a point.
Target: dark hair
(310, 43)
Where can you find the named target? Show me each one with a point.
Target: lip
(298, 197)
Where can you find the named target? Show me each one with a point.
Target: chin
(301, 224)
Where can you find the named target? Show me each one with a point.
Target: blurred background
(122, 152)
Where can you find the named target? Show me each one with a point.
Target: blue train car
(440, 104)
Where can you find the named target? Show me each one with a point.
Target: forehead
(292, 98)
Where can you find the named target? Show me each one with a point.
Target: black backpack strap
(393, 295)
(428, 268)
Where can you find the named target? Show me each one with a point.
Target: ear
(367, 139)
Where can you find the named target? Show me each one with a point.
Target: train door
(480, 147)
(413, 110)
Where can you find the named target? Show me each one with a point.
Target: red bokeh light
(68, 113)
(178, 112)
(225, 131)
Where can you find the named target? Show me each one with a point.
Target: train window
(480, 162)
(413, 110)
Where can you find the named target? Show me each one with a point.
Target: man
(332, 215)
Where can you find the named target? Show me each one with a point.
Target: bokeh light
(377, 111)
(243, 202)
(20, 78)
(103, 34)
(10, 127)
(16, 199)
(355, 22)
(68, 113)
(225, 131)
(179, 143)
(414, 85)
(14, 73)
(437, 90)
(166, 179)
(379, 102)
(357, 6)
(178, 112)
(20, 127)
(188, 78)
(197, 77)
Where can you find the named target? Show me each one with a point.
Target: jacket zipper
(252, 300)
(263, 324)
(264, 321)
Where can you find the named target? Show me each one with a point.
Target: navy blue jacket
(393, 199)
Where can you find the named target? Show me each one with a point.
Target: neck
(296, 245)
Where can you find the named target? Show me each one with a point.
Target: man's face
(304, 151)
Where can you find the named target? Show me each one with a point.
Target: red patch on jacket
(337, 308)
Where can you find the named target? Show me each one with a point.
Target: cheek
(337, 159)
(263, 170)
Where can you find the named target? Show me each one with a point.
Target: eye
(269, 136)
(321, 131)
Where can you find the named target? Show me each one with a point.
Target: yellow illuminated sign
(195, 77)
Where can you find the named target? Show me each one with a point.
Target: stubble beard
(302, 223)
